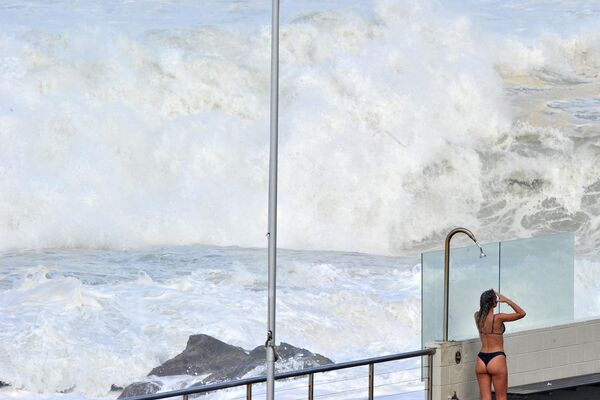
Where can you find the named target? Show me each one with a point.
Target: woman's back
(491, 333)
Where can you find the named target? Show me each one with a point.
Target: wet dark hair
(487, 301)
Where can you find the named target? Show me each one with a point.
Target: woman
(491, 361)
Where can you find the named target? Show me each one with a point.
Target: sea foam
(118, 137)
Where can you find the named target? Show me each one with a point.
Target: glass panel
(470, 275)
(432, 296)
(538, 275)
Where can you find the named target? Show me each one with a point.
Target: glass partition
(432, 296)
(529, 271)
(538, 274)
(469, 276)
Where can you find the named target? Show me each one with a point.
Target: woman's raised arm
(518, 314)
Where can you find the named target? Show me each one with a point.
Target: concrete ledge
(533, 356)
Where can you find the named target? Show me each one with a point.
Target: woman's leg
(484, 380)
(497, 369)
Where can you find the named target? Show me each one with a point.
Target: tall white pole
(273, 200)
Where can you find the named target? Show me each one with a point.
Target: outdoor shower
(447, 270)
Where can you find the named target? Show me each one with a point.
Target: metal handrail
(292, 374)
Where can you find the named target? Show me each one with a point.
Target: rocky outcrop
(203, 354)
(218, 361)
(140, 388)
(2, 384)
(290, 357)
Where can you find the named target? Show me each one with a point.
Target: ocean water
(134, 156)
(128, 311)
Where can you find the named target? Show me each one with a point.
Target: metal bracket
(269, 338)
(269, 343)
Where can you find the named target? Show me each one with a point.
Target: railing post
(249, 391)
(429, 376)
(371, 380)
(311, 386)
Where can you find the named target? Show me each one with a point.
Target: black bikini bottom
(487, 357)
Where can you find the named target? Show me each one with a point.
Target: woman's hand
(519, 312)
(501, 297)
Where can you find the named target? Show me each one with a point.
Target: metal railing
(310, 372)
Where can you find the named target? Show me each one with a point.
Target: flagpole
(270, 344)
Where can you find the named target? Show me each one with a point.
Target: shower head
(481, 252)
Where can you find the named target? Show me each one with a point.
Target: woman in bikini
(491, 361)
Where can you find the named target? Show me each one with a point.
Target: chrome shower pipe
(447, 270)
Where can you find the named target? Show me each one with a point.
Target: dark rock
(203, 354)
(293, 356)
(115, 388)
(3, 384)
(140, 388)
(286, 351)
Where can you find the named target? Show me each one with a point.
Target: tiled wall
(533, 356)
